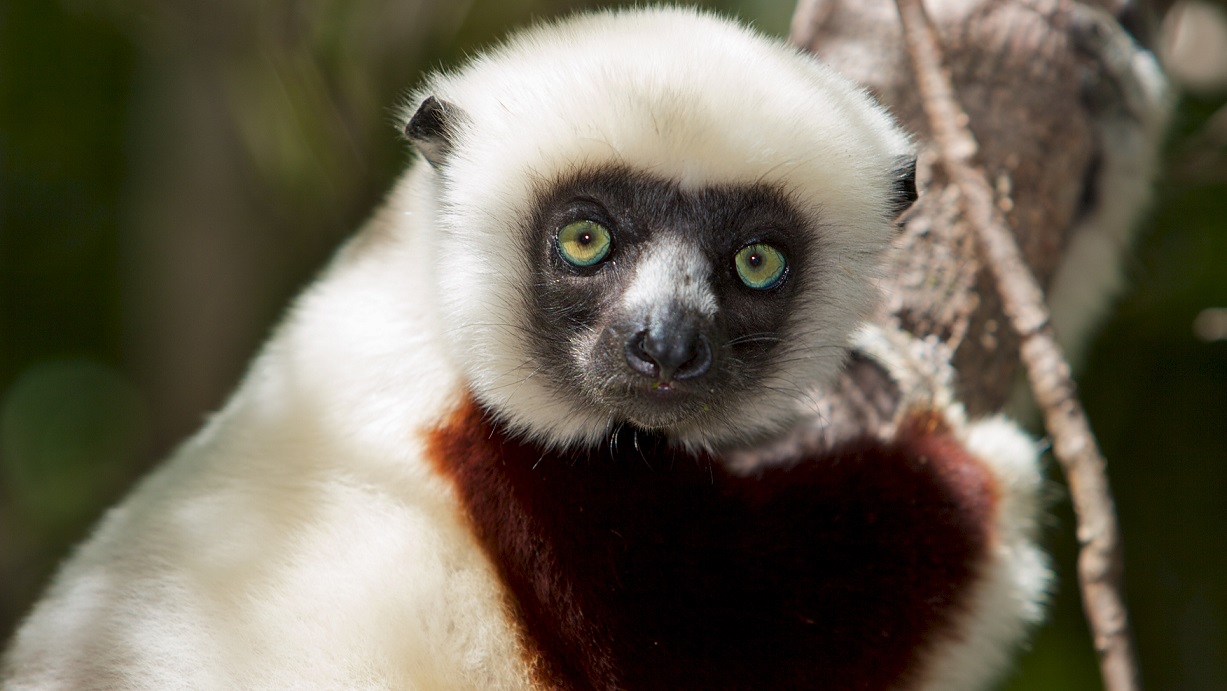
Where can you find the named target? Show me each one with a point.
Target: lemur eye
(760, 266)
(583, 243)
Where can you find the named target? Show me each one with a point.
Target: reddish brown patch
(635, 566)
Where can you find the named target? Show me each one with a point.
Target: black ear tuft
(903, 185)
(432, 129)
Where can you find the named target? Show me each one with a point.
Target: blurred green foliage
(171, 171)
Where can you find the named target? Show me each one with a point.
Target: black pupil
(585, 238)
(755, 260)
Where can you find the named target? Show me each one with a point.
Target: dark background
(172, 171)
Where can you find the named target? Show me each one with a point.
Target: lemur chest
(635, 565)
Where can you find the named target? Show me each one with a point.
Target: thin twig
(1099, 563)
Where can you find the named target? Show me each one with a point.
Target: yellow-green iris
(760, 265)
(583, 243)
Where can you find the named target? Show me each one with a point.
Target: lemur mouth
(658, 404)
(668, 392)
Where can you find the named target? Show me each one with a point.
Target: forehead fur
(673, 92)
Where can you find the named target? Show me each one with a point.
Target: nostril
(638, 357)
(699, 363)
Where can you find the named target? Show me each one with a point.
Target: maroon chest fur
(637, 566)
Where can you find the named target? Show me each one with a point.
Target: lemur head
(640, 222)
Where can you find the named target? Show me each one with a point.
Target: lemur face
(654, 229)
(659, 303)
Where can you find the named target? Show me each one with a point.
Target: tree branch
(1100, 569)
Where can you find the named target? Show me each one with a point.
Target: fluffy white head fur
(679, 95)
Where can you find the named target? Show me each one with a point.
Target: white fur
(671, 271)
(300, 540)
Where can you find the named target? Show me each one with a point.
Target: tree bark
(1019, 76)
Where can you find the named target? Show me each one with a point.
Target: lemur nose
(680, 352)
